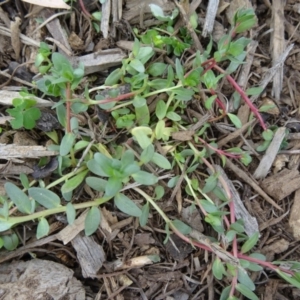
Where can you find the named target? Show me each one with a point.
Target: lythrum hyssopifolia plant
(111, 170)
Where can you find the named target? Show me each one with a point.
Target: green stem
(56, 210)
(68, 107)
(65, 177)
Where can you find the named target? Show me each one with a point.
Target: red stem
(118, 98)
(84, 9)
(244, 96)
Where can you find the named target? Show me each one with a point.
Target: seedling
(114, 169)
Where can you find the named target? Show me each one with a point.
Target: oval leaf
(74, 182)
(250, 243)
(145, 214)
(66, 143)
(18, 197)
(235, 120)
(92, 221)
(71, 213)
(42, 228)
(161, 161)
(96, 183)
(127, 206)
(44, 197)
(146, 178)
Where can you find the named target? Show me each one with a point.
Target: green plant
(42, 60)
(25, 113)
(111, 170)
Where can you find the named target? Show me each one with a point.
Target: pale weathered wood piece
(106, 9)
(294, 220)
(272, 71)
(90, 255)
(210, 17)
(102, 61)
(56, 29)
(277, 44)
(69, 232)
(250, 223)
(13, 151)
(270, 155)
(6, 98)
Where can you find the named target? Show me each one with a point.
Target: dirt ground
(119, 260)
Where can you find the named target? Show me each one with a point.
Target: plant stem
(56, 210)
(243, 95)
(68, 107)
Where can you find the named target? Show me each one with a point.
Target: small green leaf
(145, 178)
(218, 268)
(225, 293)
(244, 279)
(97, 15)
(44, 197)
(182, 227)
(92, 221)
(74, 182)
(10, 242)
(159, 192)
(157, 69)
(141, 134)
(71, 213)
(98, 184)
(67, 143)
(254, 91)
(246, 292)
(258, 256)
(268, 135)
(127, 206)
(161, 161)
(235, 120)
(289, 278)
(5, 224)
(238, 227)
(145, 214)
(42, 228)
(250, 243)
(173, 116)
(179, 70)
(113, 186)
(210, 183)
(147, 154)
(18, 197)
(24, 180)
(209, 101)
(137, 65)
(161, 109)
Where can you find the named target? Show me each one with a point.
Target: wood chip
(50, 3)
(294, 220)
(211, 13)
(277, 44)
(55, 29)
(15, 37)
(106, 9)
(282, 184)
(96, 63)
(90, 255)
(270, 155)
(13, 151)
